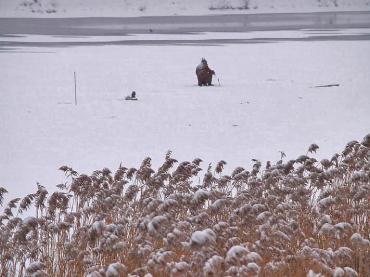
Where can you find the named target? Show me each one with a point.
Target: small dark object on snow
(327, 86)
(366, 141)
(132, 97)
(204, 73)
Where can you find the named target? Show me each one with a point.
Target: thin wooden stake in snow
(75, 89)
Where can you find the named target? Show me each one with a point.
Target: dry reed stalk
(296, 218)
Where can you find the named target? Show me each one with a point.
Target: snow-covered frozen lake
(268, 100)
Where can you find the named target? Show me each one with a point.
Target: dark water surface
(322, 23)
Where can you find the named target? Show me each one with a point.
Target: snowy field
(267, 101)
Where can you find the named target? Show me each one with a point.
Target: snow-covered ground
(129, 8)
(267, 101)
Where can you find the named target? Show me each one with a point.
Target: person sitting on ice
(204, 73)
(132, 96)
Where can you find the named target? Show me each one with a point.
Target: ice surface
(87, 8)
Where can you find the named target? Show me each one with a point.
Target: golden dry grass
(294, 218)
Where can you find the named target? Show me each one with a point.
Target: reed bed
(299, 217)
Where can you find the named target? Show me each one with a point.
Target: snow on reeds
(298, 217)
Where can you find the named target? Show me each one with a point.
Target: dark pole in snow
(218, 79)
(75, 89)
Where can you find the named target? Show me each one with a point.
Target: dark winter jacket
(204, 74)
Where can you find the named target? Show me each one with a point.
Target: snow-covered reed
(299, 217)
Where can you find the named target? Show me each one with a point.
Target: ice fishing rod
(218, 79)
